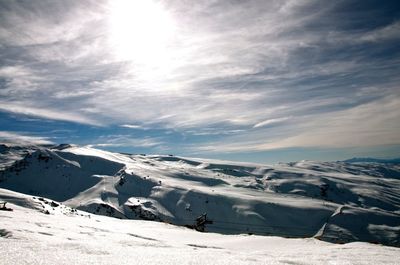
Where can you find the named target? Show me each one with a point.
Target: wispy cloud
(259, 74)
(126, 141)
(23, 139)
(270, 122)
(371, 124)
(50, 114)
(132, 126)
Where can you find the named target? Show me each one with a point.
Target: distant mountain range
(372, 160)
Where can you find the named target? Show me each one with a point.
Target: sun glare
(140, 31)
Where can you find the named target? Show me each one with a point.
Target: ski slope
(332, 201)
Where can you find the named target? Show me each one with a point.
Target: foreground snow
(64, 236)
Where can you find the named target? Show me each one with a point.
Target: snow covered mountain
(333, 201)
(372, 160)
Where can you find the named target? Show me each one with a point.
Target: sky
(260, 81)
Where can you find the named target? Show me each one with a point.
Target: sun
(140, 31)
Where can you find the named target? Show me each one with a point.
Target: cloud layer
(230, 75)
(17, 138)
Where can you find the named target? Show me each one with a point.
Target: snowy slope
(28, 236)
(336, 201)
(9, 154)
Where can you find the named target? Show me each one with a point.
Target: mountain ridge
(333, 201)
(372, 160)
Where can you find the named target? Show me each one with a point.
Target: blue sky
(261, 81)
